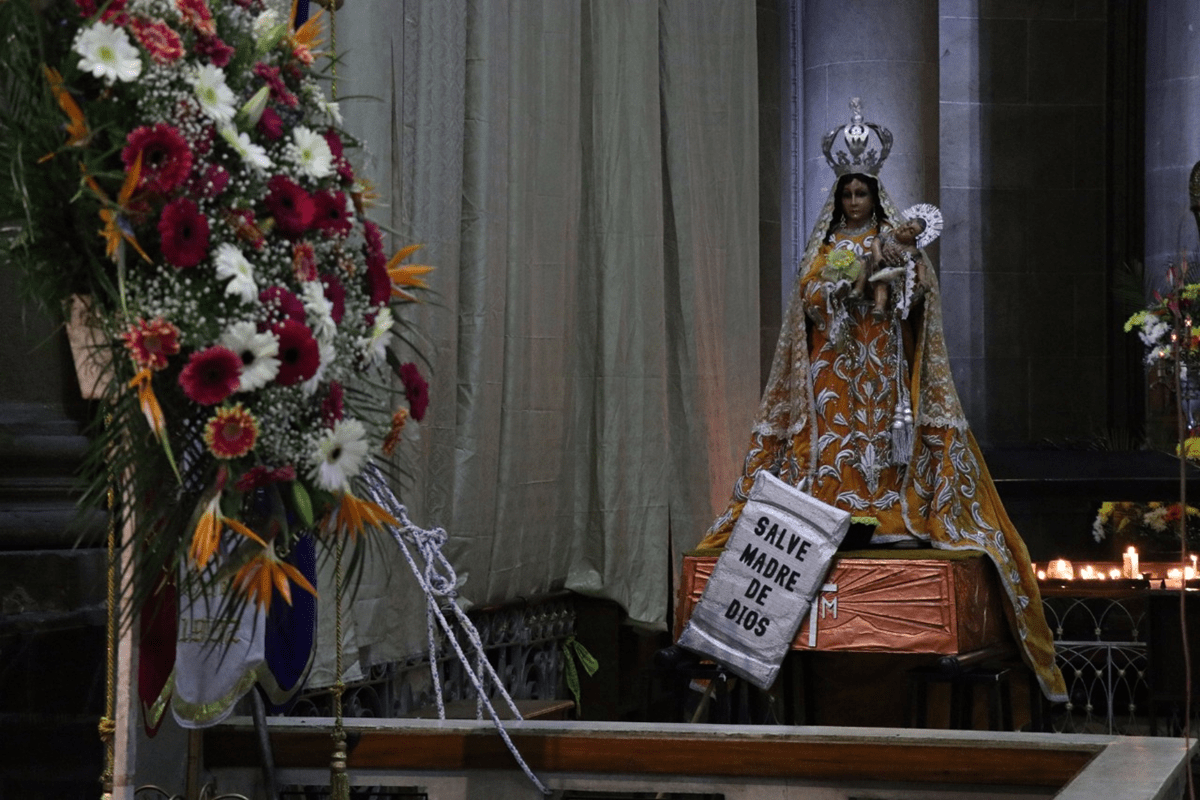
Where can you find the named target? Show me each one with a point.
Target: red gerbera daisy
(231, 432)
(416, 390)
(211, 375)
(331, 217)
(163, 44)
(299, 354)
(152, 343)
(281, 305)
(166, 157)
(335, 293)
(184, 232)
(291, 206)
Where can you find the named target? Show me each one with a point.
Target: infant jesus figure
(896, 263)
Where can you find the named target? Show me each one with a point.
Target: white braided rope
(438, 580)
(434, 655)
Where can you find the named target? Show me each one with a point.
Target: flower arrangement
(1150, 525)
(1157, 326)
(179, 162)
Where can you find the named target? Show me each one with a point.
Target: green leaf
(572, 649)
(303, 503)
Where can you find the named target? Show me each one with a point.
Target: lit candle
(1041, 574)
(1114, 573)
(1174, 578)
(1129, 563)
(1088, 572)
(1060, 569)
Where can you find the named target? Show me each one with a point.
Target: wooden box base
(922, 601)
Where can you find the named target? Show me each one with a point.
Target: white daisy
(318, 311)
(376, 343)
(107, 53)
(339, 455)
(216, 99)
(258, 351)
(233, 265)
(253, 155)
(326, 353)
(310, 153)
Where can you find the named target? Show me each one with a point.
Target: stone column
(1172, 149)
(1172, 131)
(885, 52)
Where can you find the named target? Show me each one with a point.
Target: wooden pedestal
(923, 601)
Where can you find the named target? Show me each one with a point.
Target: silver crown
(857, 134)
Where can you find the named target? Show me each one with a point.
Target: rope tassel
(339, 779)
(902, 419)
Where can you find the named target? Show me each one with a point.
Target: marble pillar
(1172, 132)
(886, 53)
(1026, 247)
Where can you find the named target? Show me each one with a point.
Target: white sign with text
(765, 581)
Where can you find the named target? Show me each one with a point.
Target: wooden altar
(883, 617)
(888, 601)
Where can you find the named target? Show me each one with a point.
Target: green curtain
(585, 177)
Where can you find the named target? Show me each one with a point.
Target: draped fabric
(823, 422)
(584, 176)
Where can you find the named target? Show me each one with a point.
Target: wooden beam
(679, 750)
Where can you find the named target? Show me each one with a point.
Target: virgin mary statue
(860, 409)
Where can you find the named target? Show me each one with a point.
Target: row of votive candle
(1063, 570)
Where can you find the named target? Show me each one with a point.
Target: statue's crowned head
(866, 145)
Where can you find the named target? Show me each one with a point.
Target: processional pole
(339, 778)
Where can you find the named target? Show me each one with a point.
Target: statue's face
(908, 232)
(856, 202)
